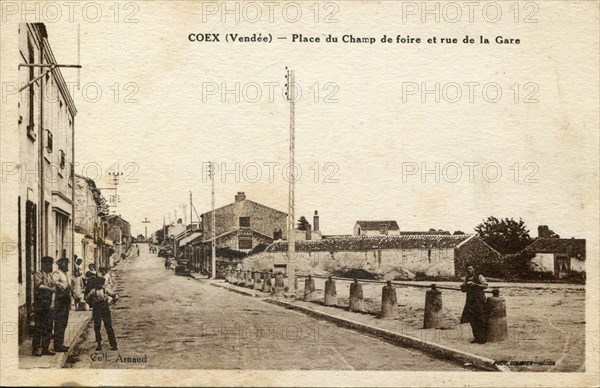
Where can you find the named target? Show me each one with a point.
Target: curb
(245, 291)
(60, 359)
(238, 291)
(434, 349)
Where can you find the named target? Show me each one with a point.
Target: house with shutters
(560, 256)
(241, 225)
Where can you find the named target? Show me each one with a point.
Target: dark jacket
(475, 303)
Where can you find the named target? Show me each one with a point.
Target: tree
(504, 235)
(302, 223)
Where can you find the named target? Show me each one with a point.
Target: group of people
(152, 249)
(53, 296)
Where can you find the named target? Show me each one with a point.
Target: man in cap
(62, 304)
(43, 306)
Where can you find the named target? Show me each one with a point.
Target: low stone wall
(432, 262)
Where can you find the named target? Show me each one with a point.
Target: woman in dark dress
(474, 311)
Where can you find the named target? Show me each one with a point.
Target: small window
(62, 159)
(245, 243)
(49, 141)
(244, 222)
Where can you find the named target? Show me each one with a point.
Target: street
(167, 321)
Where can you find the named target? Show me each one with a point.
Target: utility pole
(291, 96)
(213, 268)
(146, 221)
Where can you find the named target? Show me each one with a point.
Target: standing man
(43, 305)
(62, 304)
(101, 297)
(474, 311)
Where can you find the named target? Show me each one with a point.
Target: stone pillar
(497, 325)
(250, 280)
(330, 298)
(266, 286)
(357, 302)
(279, 287)
(309, 289)
(389, 302)
(433, 309)
(257, 282)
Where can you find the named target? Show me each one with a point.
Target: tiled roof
(572, 246)
(365, 243)
(434, 232)
(377, 225)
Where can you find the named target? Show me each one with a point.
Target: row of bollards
(497, 325)
(256, 281)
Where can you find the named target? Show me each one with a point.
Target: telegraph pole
(291, 96)
(146, 221)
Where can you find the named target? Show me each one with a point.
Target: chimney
(240, 196)
(308, 232)
(543, 231)
(316, 220)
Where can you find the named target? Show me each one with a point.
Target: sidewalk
(453, 341)
(78, 320)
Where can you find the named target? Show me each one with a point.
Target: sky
(367, 135)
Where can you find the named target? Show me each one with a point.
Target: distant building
(119, 232)
(376, 228)
(560, 256)
(90, 233)
(241, 226)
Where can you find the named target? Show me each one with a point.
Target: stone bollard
(433, 309)
(228, 275)
(242, 282)
(357, 302)
(236, 277)
(279, 287)
(389, 302)
(257, 282)
(266, 286)
(497, 325)
(309, 289)
(330, 298)
(250, 280)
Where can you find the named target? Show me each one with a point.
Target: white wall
(435, 262)
(577, 265)
(543, 262)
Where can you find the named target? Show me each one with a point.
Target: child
(100, 297)
(77, 290)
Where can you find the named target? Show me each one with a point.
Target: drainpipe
(72, 174)
(42, 212)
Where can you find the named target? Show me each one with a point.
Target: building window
(62, 159)
(30, 93)
(49, 141)
(245, 243)
(244, 222)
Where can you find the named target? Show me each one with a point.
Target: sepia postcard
(300, 193)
